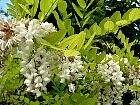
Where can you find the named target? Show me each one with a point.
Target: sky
(3, 6)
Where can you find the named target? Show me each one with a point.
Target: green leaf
(108, 26)
(89, 4)
(116, 16)
(92, 54)
(74, 41)
(126, 15)
(134, 14)
(69, 53)
(90, 12)
(85, 22)
(88, 34)
(82, 3)
(96, 29)
(62, 6)
(56, 98)
(100, 57)
(75, 97)
(89, 41)
(21, 98)
(77, 21)
(34, 7)
(60, 23)
(121, 36)
(91, 101)
(44, 42)
(26, 100)
(29, 2)
(134, 88)
(55, 37)
(102, 25)
(46, 7)
(10, 6)
(122, 22)
(24, 8)
(77, 10)
(34, 103)
(12, 12)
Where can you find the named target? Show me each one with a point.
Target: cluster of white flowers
(135, 75)
(1, 75)
(7, 34)
(71, 69)
(111, 73)
(36, 64)
(15, 31)
(110, 95)
(111, 70)
(135, 102)
(38, 71)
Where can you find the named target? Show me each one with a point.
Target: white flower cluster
(15, 31)
(111, 73)
(7, 35)
(110, 95)
(1, 75)
(111, 70)
(36, 64)
(34, 29)
(38, 71)
(71, 69)
(135, 102)
(135, 75)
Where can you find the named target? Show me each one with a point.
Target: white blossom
(111, 71)
(71, 88)
(7, 34)
(71, 68)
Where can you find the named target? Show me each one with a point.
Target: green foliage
(73, 42)
(78, 33)
(50, 4)
(11, 79)
(134, 88)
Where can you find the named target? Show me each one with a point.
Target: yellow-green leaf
(116, 16)
(47, 7)
(90, 12)
(77, 10)
(134, 14)
(68, 53)
(62, 6)
(24, 8)
(108, 26)
(89, 4)
(122, 22)
(82, 3)
(96, 29)
(74, 41)
(46, 43)
(85, 22)
(134, 88)
(89, 41)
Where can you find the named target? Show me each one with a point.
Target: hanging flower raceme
(135, 75)
(38, 70)
(110, 71)
(36, 63)
(7, 34)
(71, 69)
